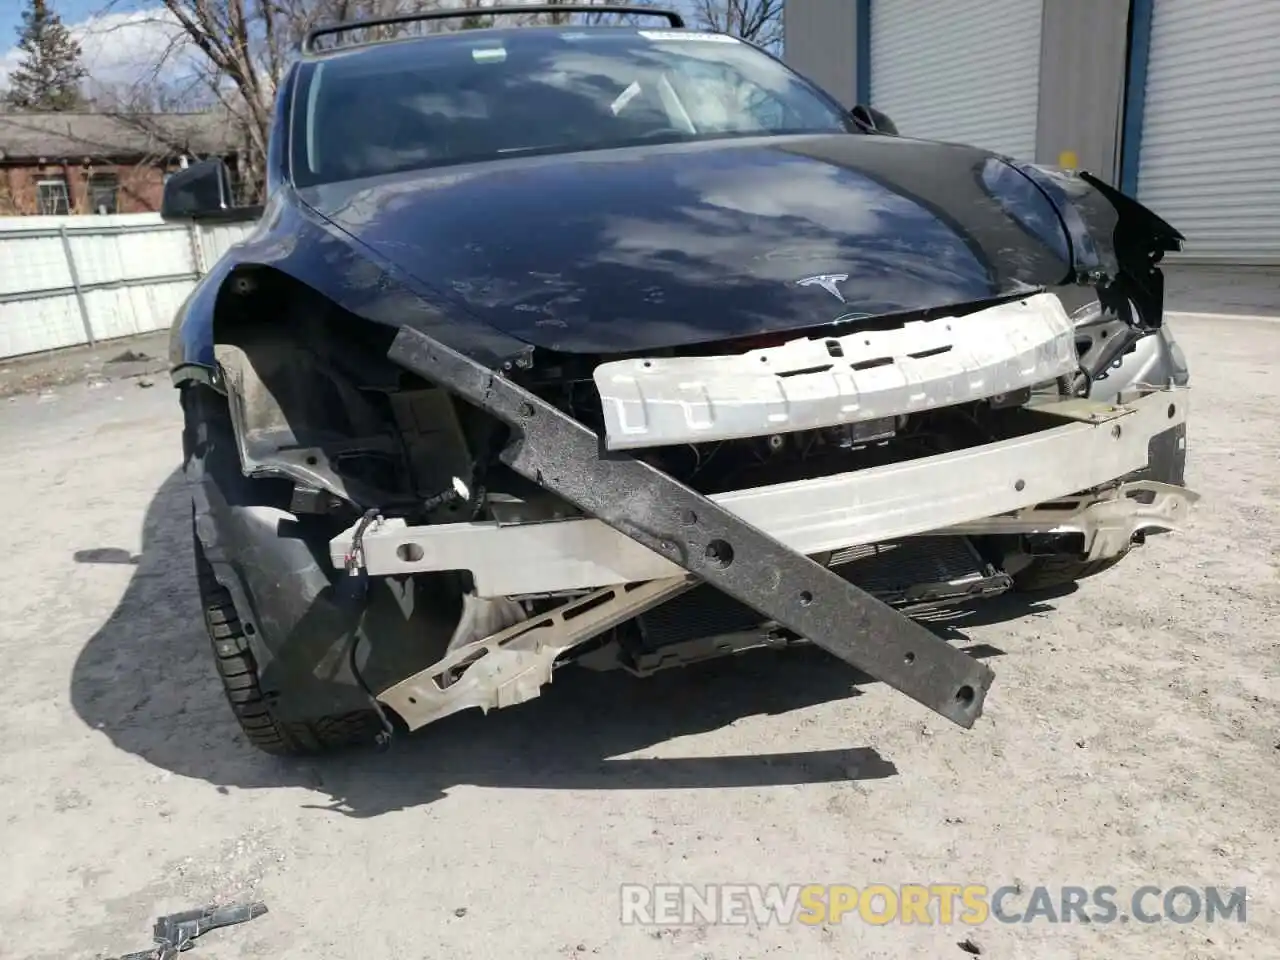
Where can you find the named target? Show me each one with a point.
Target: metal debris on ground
(174, 933)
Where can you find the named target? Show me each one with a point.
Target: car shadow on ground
(145, 680)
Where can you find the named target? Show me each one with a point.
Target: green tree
(49, 70)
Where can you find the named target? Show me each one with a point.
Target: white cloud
(122, 48)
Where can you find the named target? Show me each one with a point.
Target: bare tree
(150, 95)
(238, 51)
(759, 21)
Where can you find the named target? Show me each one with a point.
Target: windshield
(465, 97)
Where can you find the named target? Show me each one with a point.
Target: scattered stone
(70, 800)
(460, 912)
(130, 356)
(970, 945)
(146, 382)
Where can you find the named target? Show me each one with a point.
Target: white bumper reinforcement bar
(1096, 444)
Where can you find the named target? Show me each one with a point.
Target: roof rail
(309, 42)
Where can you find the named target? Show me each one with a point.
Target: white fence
(66, 281)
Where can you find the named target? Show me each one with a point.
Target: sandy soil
(1131, 738)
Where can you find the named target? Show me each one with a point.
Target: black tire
(233, 658)
(1051, 573)
(239, 675)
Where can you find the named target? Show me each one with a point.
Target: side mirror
(872, 119)
(202, 192)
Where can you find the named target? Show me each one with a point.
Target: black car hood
(657, 246)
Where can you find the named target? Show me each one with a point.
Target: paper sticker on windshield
(492, 55)
(688, 35)
(624, 98)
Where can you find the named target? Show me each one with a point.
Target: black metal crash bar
(560, 454)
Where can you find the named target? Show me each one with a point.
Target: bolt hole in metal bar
(634, 498)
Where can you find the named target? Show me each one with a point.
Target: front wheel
(238, 673)
(212, 441)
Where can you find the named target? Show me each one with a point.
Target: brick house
(86, 163)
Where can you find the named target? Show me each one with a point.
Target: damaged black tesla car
(627, 346)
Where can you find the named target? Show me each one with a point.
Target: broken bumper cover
(1028, 484)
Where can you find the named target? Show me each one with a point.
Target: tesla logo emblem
(827, 282)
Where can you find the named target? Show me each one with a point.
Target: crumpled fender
(1116, 242)
(321, 650)
(303, 247)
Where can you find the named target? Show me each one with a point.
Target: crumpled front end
(919, 462)
(430, 531)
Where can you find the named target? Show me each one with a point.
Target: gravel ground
(145, 357)
(1131, 738)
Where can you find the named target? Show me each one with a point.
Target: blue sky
(118, 38)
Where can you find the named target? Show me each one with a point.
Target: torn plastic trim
(512, 665)
(1117, 242)
(1108, 521)
(196, 374)
(284, 424)
(1149, 359)
(828, 381)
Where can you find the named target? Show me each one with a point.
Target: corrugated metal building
(1176, 101)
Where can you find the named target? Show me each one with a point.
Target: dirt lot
(1131, 738)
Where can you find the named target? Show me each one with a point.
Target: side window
(104, 193)
(52, 196)
(770, 112)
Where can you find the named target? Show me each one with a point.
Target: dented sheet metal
(829, 381)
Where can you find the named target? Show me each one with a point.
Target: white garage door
(1210, 158)
(966, 71)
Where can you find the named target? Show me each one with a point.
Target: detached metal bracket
(1083, 410)
(559, 453)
